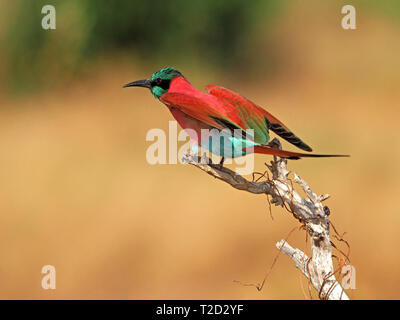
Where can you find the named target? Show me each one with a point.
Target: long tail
(292, 155)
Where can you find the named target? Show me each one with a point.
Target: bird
(244, 126)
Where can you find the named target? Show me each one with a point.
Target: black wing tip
(288, 135)
(305, 147)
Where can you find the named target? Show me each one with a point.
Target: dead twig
(318, 268)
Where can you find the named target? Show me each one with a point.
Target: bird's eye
(158, 81)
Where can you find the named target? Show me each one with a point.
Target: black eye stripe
(162, 83)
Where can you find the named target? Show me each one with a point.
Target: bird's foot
(221, 163)
(192, 153)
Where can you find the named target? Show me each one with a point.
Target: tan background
(76, 191)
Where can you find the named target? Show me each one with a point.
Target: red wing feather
(254, 111)
(199, 109)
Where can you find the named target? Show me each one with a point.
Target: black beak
(139, 83)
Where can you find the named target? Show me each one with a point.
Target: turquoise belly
(225, 145)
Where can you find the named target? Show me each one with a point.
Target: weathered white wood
(309, 211)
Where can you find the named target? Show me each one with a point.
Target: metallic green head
(159, 82)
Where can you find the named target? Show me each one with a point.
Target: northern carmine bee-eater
(224, 111)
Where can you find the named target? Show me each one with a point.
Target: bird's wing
(256, 117)
(203, 111)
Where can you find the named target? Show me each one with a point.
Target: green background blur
(76, 191)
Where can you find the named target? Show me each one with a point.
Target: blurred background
(76, 191)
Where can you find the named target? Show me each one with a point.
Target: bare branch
(298, 256)
(309, 211)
